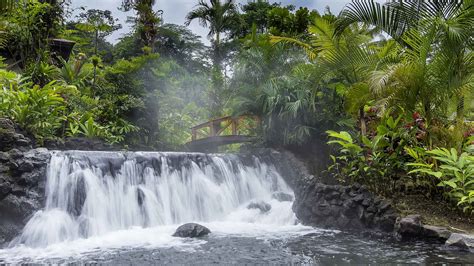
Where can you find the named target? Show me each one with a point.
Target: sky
(174, 11)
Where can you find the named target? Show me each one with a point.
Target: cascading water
(90, 194)
(123, 207)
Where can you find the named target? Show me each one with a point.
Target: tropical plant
(378, 160)
(455, 173)
(39, 110)
(350, 59)
(146, 22)
(436, 61)
(219, 16)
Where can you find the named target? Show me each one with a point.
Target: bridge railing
(217, 127)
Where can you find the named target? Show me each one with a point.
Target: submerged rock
(461, 241)
(191, 230)
(262, 206)
(282, 196)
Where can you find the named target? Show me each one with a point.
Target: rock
(22, 179)
(282, 196)
(10, 138)
(436, 232)
(25, 166)
(15, 154)
(191, 230)
(262, 206)
(461, 241)
(4, 156)
(5, 188)
(140, 196)
(7, 126)
(343, 207)
(81, 143)
(409, 227)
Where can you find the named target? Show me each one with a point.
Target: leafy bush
(377, 161)
(455, 174)
(39, 110)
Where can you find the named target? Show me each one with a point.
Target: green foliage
(454, 171)
(39, 110)
(378, 161)
(29, 26)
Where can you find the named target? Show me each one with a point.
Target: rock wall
(343, 207)
(329, 206)
(22, 180)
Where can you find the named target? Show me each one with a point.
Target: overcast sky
(176, 10)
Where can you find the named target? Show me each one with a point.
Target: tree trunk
(217, 80)
(363, 125)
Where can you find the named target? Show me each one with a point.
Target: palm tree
(219, 16)
(437, 40)
(146, 22)
(351, 58)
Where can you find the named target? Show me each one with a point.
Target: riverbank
(435, 212)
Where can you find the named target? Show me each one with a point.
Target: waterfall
(89, 194)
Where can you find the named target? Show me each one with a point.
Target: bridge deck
(211, 143)
(208, 136)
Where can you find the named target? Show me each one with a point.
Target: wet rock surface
(191, 230)
(281, 196)
(78, 143)
(343, 207)
(22, 180)
(329, 206)
(461, 241)
(260, 205)
(411, 227)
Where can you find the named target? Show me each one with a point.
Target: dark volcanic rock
(409, 227)
(10, 138)
(343, 207)
(282, 196)
(22, 180)
(332, 206)
(78, 143)
(262, 206)
(461, 241)
(436, 232)
(191, 230)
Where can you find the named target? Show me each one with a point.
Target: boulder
(262, 206)
(282, 196)
(436, 232)
(409, 227)
(191, 230)
(461, 241)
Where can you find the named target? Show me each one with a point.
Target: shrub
(377, 161)
(455, 173)
(39, 110)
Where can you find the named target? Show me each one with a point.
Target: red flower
(416, 116)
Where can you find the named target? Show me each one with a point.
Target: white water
(105, 200)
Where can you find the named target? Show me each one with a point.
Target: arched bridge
(208, 136)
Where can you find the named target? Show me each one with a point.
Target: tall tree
(434, 34)
(101, 24)
(219, 16)
(146, 22)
